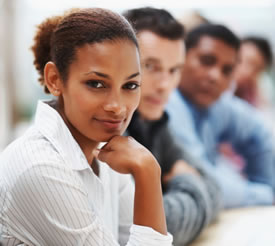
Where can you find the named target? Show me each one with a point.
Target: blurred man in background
(191, 198)
(202, 118)
(252, 82)
(255, 58)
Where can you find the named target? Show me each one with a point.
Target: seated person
(252, 84)
(56, 186)
(202, 118)
(192, 197)
(255, 58)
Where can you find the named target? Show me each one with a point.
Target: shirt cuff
(143, 235)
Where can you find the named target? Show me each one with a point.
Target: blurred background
(19, 87)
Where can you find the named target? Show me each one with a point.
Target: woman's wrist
(148, 209)
(147, 169)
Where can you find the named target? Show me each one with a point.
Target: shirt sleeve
(190, 202)
(188, 207)
(139, 235)
(250, 137)
(238, 191)
(213, 190)
(49, 206)
(146, 236)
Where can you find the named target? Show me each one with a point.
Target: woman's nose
(114, 104)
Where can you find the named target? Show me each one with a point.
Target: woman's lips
(111, 124)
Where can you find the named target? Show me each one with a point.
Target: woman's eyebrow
(106, 76)
(133, 75)
(103, 75)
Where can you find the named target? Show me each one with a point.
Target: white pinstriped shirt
(49, 195)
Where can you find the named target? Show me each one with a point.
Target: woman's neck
(87, 145)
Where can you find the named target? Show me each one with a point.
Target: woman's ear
(52, 79)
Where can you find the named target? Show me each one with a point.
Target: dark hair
(263, 46)
(158, 21)
(214, 31)
(58, 37)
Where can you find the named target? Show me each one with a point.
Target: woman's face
(102, 90)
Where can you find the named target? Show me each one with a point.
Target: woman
(56, 186)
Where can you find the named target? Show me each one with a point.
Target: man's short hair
(158, 21)
(216, 31)
(263, 46)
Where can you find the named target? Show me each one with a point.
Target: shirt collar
(196, 111)
(144, 131)
(51, 125)
(138, 122)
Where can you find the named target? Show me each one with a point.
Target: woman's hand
(125, 155)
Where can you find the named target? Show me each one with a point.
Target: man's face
(161, 61)
(207, 71)
(250, 66)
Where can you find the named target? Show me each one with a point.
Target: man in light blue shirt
(202, 117)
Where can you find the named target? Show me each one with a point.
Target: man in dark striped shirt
(191, 196)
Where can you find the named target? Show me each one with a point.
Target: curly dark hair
(58, 37)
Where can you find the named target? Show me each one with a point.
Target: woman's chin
(108, 138)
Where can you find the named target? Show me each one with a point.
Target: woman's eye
(131, 86)
(95, 84)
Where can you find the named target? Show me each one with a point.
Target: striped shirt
(49, 195)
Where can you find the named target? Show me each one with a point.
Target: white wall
(243, 16)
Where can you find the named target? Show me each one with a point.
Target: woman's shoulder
(30, 151)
